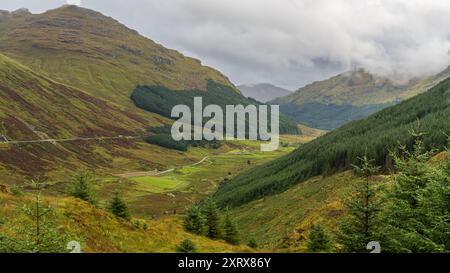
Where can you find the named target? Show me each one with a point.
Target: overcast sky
(289, 42)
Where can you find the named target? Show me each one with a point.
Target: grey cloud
(291, 42)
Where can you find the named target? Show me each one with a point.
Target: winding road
(70, 139)
(156, 173)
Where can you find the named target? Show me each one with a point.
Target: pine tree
(319, 239)
(211, 213)
(434, 206)
(408, 214)
(231, 232)
(187, 246)
(118, 207)
(81, 187)
(195, 221)
(363, 223)
(40, 234)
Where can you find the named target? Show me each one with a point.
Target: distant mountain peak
(263, 92)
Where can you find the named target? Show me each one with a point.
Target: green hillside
(95, 53)
(69, 49)
(339, 149)
(101, 232)
(34, 107)
(283, 219)
(350, 96)
(30, 100)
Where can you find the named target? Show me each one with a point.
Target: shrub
(187, 246)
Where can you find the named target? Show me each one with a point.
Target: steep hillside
(101, 232)
(71, 49)
(34, 107)
(30, 100)
(263, 92)
(339, 149)
(284, 220)
(275, 221)
(350, 96)
(88, 50)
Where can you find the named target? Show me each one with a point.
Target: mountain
(375, 136)
(70, 73)
(85, 49)
(263, 92)
(34, 107)
(349, 96)
(93, 52)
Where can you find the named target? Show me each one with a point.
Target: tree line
(207, 220)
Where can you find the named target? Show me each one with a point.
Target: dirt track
(156, 173)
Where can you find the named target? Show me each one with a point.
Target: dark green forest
(375, 136)
(161, 100)
(162, 137)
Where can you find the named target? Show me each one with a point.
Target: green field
(161, 184)
(174, 191)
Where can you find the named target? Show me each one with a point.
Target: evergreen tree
(118, 207)
(434, 206)
(363, 223)
(82, 187)
(319, 239)
(410, 208)
(195, 221)
(39, 234)
(211, 213)
(231, 232)
(187, 246)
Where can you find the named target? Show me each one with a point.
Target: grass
(174, 191)
(283, 220)
(101, 232)
(161, 184)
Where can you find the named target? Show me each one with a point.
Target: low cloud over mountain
(291, 43)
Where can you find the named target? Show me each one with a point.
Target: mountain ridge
(96, 53)
(349, 96)
(263, 92)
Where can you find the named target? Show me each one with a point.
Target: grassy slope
(88, 50)
(278, 220)
(33, 106)
(339, 149)
(57, 110)
(102, 232)
(95, 53)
